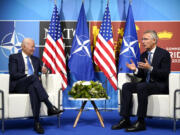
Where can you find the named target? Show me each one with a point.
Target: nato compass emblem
(82, 43)
(130, 44)
(11, 43)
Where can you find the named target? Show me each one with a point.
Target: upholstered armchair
(158, 105)
(18, 105)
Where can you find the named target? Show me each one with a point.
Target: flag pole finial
(55, 2)
(82, 1)
(130, 1)
(108, 2)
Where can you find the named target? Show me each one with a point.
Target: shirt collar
(24, 55)
(153, 50)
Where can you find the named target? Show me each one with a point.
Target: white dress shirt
(152, 55)
(25, 62)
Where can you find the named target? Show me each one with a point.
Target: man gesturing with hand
(153, 69)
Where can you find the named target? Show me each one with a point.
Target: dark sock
(36, 119)
(141, 119)
(126, 118)
(48, 103)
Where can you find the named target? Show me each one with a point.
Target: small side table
(83, 105)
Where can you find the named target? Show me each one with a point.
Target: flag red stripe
(107, 52)
(61, 46)
(52, 59)
(57, 55)
(62, 74)
(48, 64)
(54, 55)
(106, 49)
(106, 61)
(106, 73)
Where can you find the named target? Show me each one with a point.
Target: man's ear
(23, 46)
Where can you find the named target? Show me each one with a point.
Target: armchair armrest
(174, 83)
(51, 82)
(123, 78)
(4, 86)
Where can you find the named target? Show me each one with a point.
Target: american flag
(53, 55)
(104, 55)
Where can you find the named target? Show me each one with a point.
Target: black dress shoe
(124, 123)
(54, 111)
(38, 128)
(137, 126)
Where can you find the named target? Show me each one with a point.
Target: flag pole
(106, 81)
(108, 2)
(130, 1)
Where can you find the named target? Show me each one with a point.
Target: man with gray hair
(24, 69)
(153, 69)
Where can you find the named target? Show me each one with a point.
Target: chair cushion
(158, 105)
(19, 105)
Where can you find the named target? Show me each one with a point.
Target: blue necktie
(30, 69)
(149, 61)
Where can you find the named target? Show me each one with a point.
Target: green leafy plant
(88, 89)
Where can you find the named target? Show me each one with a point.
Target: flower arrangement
(88, 89)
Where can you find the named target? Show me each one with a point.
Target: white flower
(86, 83)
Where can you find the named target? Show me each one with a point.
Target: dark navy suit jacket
(161, 68)
(17, 69)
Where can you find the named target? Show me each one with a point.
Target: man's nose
(143, 41)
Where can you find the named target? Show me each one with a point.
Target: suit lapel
(22, 61)
(33, 63)
(155, 57)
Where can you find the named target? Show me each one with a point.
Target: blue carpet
(87, 125)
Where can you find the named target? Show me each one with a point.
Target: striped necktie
(30, 68)
(149, 61)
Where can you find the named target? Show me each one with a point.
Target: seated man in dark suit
(154, 69)
(23, 70)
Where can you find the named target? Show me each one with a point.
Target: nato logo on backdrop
(13, 32)
(11, 36)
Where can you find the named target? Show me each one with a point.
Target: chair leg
(175, 108)
(120, 98)
(59, 108)
(174, 119)
(2, 110)
(59, 98)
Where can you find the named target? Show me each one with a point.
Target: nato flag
(80, 61)
(130, 47)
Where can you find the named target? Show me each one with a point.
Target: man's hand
(44, 70)
(131, 66)
(145, 65)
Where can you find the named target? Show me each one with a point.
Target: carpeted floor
(87, 125)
